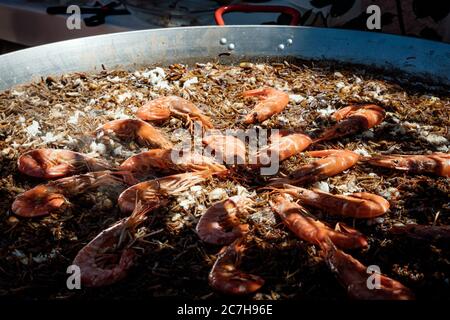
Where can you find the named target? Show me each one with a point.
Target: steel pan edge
(427, 60)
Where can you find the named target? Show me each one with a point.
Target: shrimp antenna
(272, 189)
(138, 216)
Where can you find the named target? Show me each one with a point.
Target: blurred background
(25, 23)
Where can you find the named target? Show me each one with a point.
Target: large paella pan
(271, 162)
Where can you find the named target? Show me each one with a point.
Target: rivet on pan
(231, 46)
(223, 41)
(289, 41)
(281, 46)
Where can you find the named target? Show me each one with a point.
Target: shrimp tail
(139, 214)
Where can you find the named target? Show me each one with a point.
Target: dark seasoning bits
(64, 111)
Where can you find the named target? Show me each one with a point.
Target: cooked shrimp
(423, 232)
(107, 258)
(229, 149)
(159, 189)
(354, 277)
(333, 163)
(227, 278)
(169, 161)
(51, 197)
(39, 201)
(271, 102)
(135, 129)
(356, 205)
(284, 146)
(162, 108)
(54, 163)
(353, 119)
(437, 163)
(220, 223)
(313, 231)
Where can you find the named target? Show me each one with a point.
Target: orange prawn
(314, 231)
(333, 163)
(271, 102)
(158, 190)
(107, 258)
(437, 163)
(51, 197)
(169, 161)
(353, 275)
(225, 276)
(229, 149)
(55, 163)
(356, 205)
(135, 129)
(284, 146)
(162, 108)
(353, 119)
(220, 223)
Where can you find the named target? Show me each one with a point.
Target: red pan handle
(295, 15)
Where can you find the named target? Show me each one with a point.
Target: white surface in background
(27, 23)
